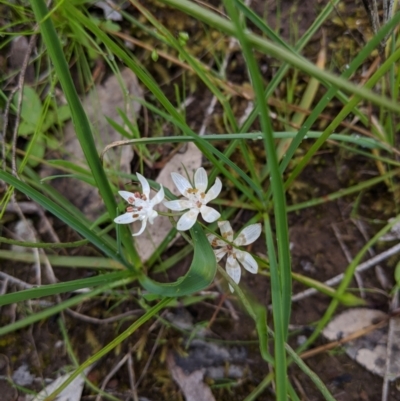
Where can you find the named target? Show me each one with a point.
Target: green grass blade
(361, 141)
(277, 312)
(173, 115)
(322, 104)
(60, 307)
(347, 299)
(277, 78)
(79, 118)
(276, 178)
(192, 61)
(63, 215)
(59, 288)
(88, 262)
(114, 343)
(348, 276)
(348, 108)
(313, 376)
(256, 311)
(281, 53)
(343, 192)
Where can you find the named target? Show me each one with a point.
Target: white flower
(141, 206)
(235, 256)
(197, 199)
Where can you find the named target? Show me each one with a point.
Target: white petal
(144, 221)
(226, 230)
(233, 269)
(219, 253)
(215, 241)
(128, 196)
(145, 185)
(151, 216)
(214, 191)
(248, 235)
(126, 218)
(178, 205)
(187, 220)
(159, 197)
(248, 262)
(209, 214)
(201, 179)
(211, 238)
(141, 203)
(181, 183)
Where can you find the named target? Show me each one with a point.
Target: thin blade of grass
(348, 108)
(63, 215)
(280, 325)
(59, 288)
(348, 276)
(276, 178)
(109, 347)
(60, 307)
(281, 53)
(79, 118)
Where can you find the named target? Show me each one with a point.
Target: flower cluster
(141, 207)
(229, 246)
(196, 198)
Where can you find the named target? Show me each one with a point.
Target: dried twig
(31, 236)
(391, 344)
(124, 359)
(360, 268)
(349, 258)
(32, 208)
(113, 371)
(112, 319)
(16, 281)
(379, 272)
(371, 7)
(228, 303)
(351, 337)
(131, 373)
(150, 358)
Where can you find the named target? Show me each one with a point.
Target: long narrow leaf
(281, 53)
(63, 215)
(114, 343)
(60, 307)
(200, 275)
(79, 118)
(59, 288)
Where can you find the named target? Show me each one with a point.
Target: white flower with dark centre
(197, 199)
(228, 246)
(141, 207)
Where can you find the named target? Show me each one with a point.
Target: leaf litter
(371, 350)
